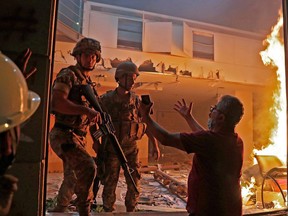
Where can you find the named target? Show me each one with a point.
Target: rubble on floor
(163, 189)
(154, 196)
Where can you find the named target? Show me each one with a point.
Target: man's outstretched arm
(165, 137)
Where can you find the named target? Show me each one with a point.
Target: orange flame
(274, 56)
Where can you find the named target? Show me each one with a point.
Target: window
(203, 45)
(129, 34)
(70, 13)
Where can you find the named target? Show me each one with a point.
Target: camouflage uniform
(128, 126)
(68, 141)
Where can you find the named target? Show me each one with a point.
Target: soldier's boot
(58, 208)
(130, 206)
(130, 209)
(108, 209)
(84, 210)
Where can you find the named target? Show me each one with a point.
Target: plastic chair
(272, 168)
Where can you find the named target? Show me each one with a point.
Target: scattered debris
(176, 187)
(160, 167)
(163, 188)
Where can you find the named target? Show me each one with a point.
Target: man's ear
(221, 117)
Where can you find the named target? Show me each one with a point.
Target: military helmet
(126, 68)
(20, 103)
(87, 45)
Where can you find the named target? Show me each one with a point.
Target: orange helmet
(126, 68)
(87, 45)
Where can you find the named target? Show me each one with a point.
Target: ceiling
(257, 16)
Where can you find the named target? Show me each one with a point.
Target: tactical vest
(76, 77)
(125, 116)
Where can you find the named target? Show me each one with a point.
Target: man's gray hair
(232, 108)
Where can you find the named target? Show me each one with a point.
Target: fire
(274, 56)
(247, 191)
(276, 143)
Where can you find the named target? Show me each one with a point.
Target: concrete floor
(277, 213)
(54, 180)
(125, 214)
(145, 210)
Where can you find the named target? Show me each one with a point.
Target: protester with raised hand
(214, 180)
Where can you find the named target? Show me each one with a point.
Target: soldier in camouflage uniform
(72, 118)
(122, 104)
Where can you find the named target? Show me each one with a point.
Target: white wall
(202, 91)
(236, 57)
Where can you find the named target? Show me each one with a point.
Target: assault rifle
(107, 129)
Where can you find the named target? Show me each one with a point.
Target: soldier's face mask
(8, 144)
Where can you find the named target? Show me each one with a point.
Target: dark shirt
(214, 180)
